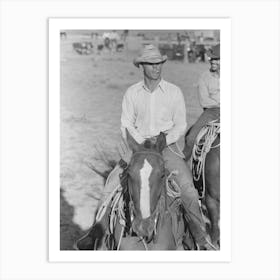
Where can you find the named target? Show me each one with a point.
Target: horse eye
(162, 176)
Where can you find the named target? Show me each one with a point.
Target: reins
(117, 205)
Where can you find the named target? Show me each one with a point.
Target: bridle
(154, 217)
(146, 152)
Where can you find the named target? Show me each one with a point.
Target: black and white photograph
(140, 139)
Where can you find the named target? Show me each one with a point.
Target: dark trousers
(189, 195)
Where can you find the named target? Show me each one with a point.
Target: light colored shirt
(209, 90)
(145, 114)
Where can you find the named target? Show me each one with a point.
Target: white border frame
(24, 98)
(55, 25)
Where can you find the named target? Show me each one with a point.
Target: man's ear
(161, 142)
(133, 145)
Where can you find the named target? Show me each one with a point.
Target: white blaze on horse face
(145, 173)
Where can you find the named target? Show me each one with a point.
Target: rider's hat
(149, 54)
(214, 53)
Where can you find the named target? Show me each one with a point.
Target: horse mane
(149, 145)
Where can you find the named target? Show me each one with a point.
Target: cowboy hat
(149, 54)
(214, 53)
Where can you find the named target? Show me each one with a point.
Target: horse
(208, 184)
(152, 219)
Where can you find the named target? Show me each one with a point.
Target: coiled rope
(202, 146)
(116, 202)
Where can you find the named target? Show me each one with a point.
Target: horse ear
(161, 142)
(133, 145)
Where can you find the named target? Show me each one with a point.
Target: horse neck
(216, 141)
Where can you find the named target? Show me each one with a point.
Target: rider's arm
(179, 119)
(204, 97)
(128, 118)
(125, 153)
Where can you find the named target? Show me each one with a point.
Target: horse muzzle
(144, 227)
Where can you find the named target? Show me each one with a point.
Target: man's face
(152, 71)
(215, 65)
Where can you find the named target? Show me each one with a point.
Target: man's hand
(124, 151)
(153, 139)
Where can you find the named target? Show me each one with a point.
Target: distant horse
(207, 179)
(119, 47)
(100, 47)
(152, 219)
(107, 43)
(83, 47)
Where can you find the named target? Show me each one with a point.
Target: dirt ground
(92, 87)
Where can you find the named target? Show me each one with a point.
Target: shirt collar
(161, 85)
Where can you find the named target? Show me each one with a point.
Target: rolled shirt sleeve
(206, 99)
(179, 119)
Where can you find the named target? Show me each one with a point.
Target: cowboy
(154, 105)
(209, 97)
(149, 107)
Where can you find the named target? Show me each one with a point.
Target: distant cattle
(119, 47)
(83, 47)
(196, 53)
(173, 51)
(100, 47)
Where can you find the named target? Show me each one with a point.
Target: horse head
(146, 183)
